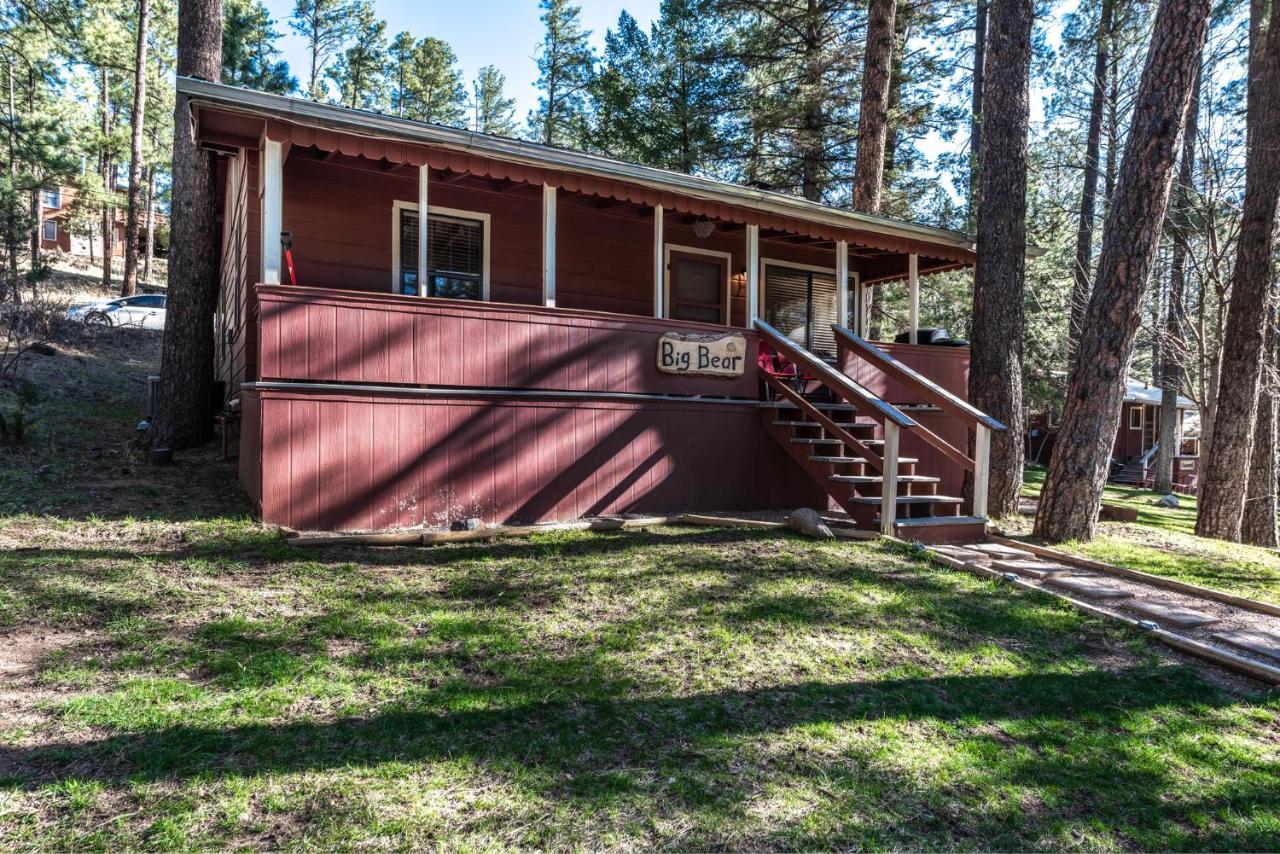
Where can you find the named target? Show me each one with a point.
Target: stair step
(825, 407)
(908, 499)
(845, 425)
(875, 478)
(821, 458)
(808, 441)
(930, 521)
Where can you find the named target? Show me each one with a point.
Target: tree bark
(995, 372)
(134, 209)
(10, 230)
(150, 255)
(184, 405)
(1078, 471)
(1258, 525)
(975, 113)
(1089, 192)
(1222, 491)
(873, 119)
(108, 186)
(1174, 351)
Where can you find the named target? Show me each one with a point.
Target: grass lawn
(202, 684)
(1163, 542)
(173, 675)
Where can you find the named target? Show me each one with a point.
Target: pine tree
(565, 66)
(399, 70)
(1072, 494)
(435, 89)
(359, 73)
(326, 26)
(250, 57)
(873, 128)
(137, 121)
(492, 111)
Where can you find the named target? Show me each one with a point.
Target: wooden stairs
(846, 438)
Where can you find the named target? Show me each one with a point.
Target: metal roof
(362, 122)
(1136, 391)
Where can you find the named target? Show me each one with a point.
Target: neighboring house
(1138, 438)
(56, 231)
(563, 335)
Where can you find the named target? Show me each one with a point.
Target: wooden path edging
(1222, 658)
(1146, 577)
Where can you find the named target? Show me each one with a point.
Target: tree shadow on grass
(1073, 742)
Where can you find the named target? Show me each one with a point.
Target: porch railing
(932, 393)
(890, 418)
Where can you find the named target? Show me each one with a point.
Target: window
(457, 253)
(53, 199)
(1135, 418)
(50, 229)
(149, 301)
(800, 302)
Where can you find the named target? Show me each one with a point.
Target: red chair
(771, 362)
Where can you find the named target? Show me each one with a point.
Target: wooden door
(699, 286)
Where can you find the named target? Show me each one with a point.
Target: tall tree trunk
(975, 111)
(995, 373)
(108, 223)
(812, 154)
(1089, 193)
(873, 119)
(1222, 492)
(134, 210)
(184, 400)
(10, 227)
(1174, 348)
(1078, 471)
(1258, 524)
(150, 255)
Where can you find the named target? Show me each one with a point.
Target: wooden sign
(702, 355)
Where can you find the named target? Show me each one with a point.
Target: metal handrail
(945, 400)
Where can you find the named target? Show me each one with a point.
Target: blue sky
(482, 32)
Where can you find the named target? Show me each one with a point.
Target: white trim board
(399, 205)
(668, 248)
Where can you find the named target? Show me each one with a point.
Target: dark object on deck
(932, 336)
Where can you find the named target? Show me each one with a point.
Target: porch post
(842, 283)
(423, 209)
(272, 209)
(657, 261)
(913, 286)
(981, 469)
(889, 479)
(753, 274)
(548, 245)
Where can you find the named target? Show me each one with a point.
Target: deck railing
(890, 418)
(930, 392)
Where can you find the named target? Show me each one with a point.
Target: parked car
(145, 311)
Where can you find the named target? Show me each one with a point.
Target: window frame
(485, 221)
(44, 230)
(726, 314)
(1138, 410)
(765, 263)
(56, 196)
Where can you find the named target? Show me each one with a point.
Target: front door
(698, 287)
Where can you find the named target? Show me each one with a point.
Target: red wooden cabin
(498, 358)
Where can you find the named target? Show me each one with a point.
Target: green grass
(1163, 542)
(681, 688)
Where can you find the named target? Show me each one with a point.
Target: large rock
(472, 524)
(807, 521)
(1170, 501)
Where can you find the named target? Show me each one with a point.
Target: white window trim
(1141, 412)
(397, 206)
(668, 248)
(53, 199)
(44, 229)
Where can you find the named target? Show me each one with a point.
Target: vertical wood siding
(333, 336)
(356, 461)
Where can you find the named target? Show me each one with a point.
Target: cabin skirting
(325, 459)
